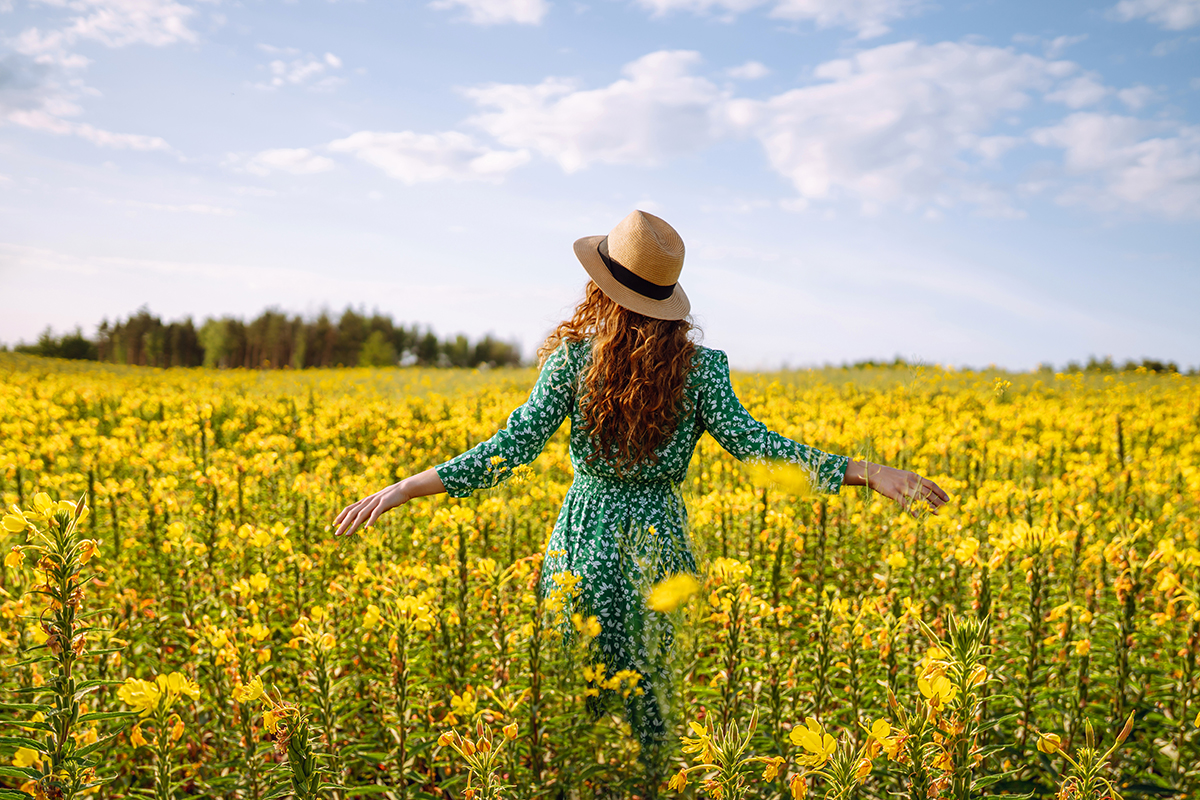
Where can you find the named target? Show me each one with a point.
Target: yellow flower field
(193, 629)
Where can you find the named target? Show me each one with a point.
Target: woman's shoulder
(710, 358)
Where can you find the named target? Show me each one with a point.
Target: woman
(639, 394)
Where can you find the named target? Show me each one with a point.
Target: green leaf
(99, 715)
(16, 723)
(14, 794)
(91, 748)
(21, 741)
(22, 706)
(20, 772)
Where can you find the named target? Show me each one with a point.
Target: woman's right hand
(906, 488)
(365, 512)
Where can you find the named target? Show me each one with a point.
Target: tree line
(272, 340)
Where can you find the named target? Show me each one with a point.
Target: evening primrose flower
(678, 781)
(701, 744)
(26, 757)
(137, 738)
(813, 738)
(1049, 743)
(142, 696)
(1083, 647)
(938, 689)
(798, 787)
(667, 595)
(15, 558)
(249, 692)
(15, 522)
(772, 768)
(897, 561)
(371, 617)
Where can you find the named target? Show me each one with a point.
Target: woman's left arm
(365, 512)
(900, 485)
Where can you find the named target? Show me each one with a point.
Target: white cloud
(1174, 15)
(657, 110)
(893, 125)
(31, 98)
(295, 160)
(1137, 97)
(1129, 163)
(750, 71)
(1059, 44)
(303, 71)
(495, 12)
(1084, 90)
(118, 23)
(869, 18)
(422, 158)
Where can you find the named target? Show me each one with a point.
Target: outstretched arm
(365, 512)
(748, 439)
(905, 487)
(528, 429)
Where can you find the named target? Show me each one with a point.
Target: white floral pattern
(622, 533)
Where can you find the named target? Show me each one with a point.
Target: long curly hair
(633, 392)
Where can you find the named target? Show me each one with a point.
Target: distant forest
(272, 340)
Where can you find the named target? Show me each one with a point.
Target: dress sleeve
(747, 439)
(528, 429)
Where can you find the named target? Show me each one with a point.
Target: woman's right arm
(528, 429)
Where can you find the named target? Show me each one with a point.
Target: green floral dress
(618, 535)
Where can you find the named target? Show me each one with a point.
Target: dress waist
(590, 482)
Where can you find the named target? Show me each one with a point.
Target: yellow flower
(258, 631)
(463, 704)
(881, 729)
(177, 683)
(678, 781)
(668, 594)
(728, 570)
(14, 558)
(1049, 743)
(15, 522)
(90, 548)
(798, 787)
(271, 720)
(937, 688)
(813, 738)
(136, 737)
(897, 561)
(702, 744)
(789, 477)
(26, 757)
(250, 691)
(510, 731)
(772, 767)
(177, 731)
(588, 628)
(862, 770)
(1083, 647)
(142, 696)
(258, 582)
(371, 617)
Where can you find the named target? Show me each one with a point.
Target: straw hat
(637, 265)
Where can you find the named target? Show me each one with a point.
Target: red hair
(633, 391)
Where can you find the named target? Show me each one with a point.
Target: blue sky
(958, 183)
